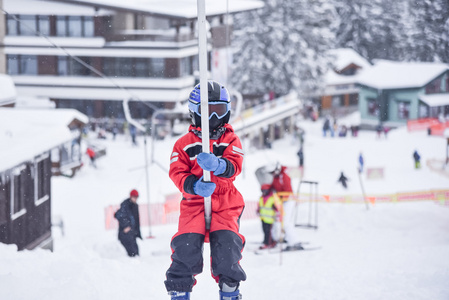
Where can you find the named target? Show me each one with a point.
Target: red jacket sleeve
(180, 165)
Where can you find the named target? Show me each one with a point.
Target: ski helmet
(219, 105)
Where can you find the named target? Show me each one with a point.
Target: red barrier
(438, 129)
(421, 124)
(168, 212)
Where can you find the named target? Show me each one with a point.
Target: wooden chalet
(29, 139)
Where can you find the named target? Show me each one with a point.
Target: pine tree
(283, 47)
(429, 31)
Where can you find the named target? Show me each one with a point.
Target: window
(43, 25)
(109, 66)
(18, 192)
(403, 110)
(447, 83)
(157, 66)
(89, 27)
(42, 179)
(75, 26)
(195, 63)
(423, 111)
(373, 107)
(13, 64)
(11, 26)
(63, 69)
(124, 66)
(141, 67)
(338, 101)
(22, 64)
(28, 65)
(434, 87)
(61, 26)
(184, 66)
(78, 69)
(4, 192)
(187, 66)
(27, 25)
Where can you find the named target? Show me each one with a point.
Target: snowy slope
(392, 251)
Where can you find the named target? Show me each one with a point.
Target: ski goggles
(219, 108)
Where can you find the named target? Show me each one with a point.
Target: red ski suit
(227, 206)
(282, 184)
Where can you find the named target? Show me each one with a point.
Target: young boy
(186, 170)
(269, 208)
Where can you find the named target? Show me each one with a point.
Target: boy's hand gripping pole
(202, 57)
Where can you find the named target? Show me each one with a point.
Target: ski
(284, 249)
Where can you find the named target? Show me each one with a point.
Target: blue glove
(202, 188)
(210, 162)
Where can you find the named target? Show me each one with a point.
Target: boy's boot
(179, 295)
(235, 295)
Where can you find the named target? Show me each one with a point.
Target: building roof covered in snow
(49, 7)
(399, 75)
(26, 133)
(435, 100)
(344, 58)
(7, 90)
(184, 9)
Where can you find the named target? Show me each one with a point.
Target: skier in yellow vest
(269, 210)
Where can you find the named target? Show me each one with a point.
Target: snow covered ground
(391, 251)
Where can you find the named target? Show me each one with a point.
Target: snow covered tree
(374, 28)
(428, 33)
(282, 47)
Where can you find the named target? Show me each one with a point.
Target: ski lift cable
(80, 61)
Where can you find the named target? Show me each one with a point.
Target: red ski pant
(226, 245)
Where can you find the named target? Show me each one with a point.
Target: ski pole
(363, 189)
(202, 57)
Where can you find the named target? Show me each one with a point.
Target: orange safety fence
(421, 124)
(168, 212)
(438, 129)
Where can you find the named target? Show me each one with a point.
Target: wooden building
(28, 138)
(341, 92)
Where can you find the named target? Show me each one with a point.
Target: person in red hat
(129, 223)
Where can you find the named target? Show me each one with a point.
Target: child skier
(186, 169)
(268, 210)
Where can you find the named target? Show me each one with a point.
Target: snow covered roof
(39, 7)
(347, 56)
(174, 8)
(396, 75)
(8, 92)
(344, 57)
(434, 100)
(27, 133)
(332, 78)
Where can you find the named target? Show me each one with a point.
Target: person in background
(361, 162)
(379, 130)
(283, 187)
(417, 159)
(133, 133)
(343, 180)
(92, 156)
(129, 223)
(268, 210)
